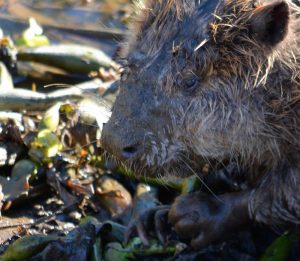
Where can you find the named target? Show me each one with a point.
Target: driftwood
(20, 99)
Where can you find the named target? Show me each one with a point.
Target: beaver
(216, 80)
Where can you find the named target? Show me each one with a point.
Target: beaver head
(207, 79)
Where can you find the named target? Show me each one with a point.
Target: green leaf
(280, 248)
(33, 35)
(26, 247)
(51, 117)
(48, 142)
(115, 251)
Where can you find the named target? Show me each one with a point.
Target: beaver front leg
(206, 219)
(276, 200)
(154, 222)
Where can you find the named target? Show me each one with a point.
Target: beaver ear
(269, 23)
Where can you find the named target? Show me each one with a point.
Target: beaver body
(220, 80)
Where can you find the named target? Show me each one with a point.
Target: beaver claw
(152, 222)
(205, 219)
(199, 217)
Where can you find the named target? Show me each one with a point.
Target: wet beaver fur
(220, 80)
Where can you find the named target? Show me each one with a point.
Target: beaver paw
(152, 222)
(205, 219)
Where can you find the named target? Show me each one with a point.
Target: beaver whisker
(202, 181)
(164, 182)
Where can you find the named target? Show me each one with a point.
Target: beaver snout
(119, 144)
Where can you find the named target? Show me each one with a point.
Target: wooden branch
(21, 99)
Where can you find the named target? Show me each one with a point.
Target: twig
(40, 220)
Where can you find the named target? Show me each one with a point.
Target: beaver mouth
(179, 168)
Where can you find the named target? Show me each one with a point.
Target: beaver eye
(190, 83)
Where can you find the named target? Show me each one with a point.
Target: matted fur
(230, 50)
(245, 106)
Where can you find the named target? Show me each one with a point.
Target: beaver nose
(130, 152)
(120, 144)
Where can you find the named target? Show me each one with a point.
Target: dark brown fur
(244, 57)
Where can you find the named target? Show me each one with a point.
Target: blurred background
(98, 23)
